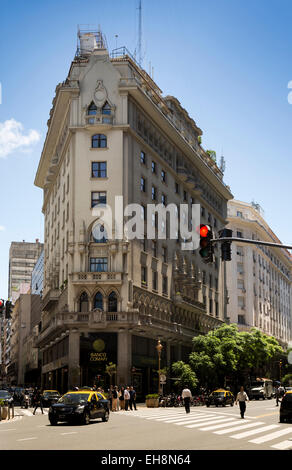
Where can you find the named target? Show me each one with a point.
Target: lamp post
(159, 348)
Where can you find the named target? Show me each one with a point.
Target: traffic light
(225, 246)
(206, 247)
(1, 307)
(8, 309)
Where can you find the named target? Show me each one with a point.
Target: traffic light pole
(254, 242)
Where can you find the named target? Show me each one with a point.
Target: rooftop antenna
(222, 162)
(140, 34)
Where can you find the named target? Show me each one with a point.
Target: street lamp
(159, 348)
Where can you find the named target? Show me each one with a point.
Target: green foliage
(287, 379)
(212, 154)
(152, 395)
(184, 375)
(227, 352)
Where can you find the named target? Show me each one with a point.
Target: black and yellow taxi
(50, 396)
(79, 406)
(286, 407)
(220, 397)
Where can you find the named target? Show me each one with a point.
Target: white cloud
(2, 228)
(12, 137)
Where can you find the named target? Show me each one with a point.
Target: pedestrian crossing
(27, 412)
(249, 429)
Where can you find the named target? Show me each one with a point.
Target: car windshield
(49, 394)
(74, 398)
(4, 394)
(218, 394)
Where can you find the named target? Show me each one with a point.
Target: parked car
(220, 397)
(6, 397)
(286, 407)
(81, 406)
(50, 397)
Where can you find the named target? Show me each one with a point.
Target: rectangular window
(153, 167)
(98, 198)
(185, 196)
(154, 280)
(210, 306)
(165, 285)
(163, 199)
(98, 265)
(154, 249)
(143, 157)
(163, 176)
(239, 235)
(216, 309)
(98, 170)
(176, 188)
(143, 212)
(144, 275)
(202, 211)
(143, 184)
(164, 254)
(153, 193)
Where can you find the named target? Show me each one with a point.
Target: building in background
(258, 277)
(37, 276)
(22, 259)
(112, 133)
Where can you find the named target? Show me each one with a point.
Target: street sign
(162, 378)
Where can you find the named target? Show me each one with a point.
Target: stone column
(168, 363)
(124, 357)
(74, 359)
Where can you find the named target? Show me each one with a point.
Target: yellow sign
(98, 357)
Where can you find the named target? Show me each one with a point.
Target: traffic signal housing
(8, 309)
(1, 306)
(206, 247)
(225, 246)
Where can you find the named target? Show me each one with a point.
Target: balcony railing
(93, 277)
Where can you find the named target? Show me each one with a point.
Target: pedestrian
(242, 398)
(114, 398)
(121, 398)
(277, 396)
(186, 395)
(38, 401)
(94, 389)
(132, 400)
(110, 397)
(127, 397)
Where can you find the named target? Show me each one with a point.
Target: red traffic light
(1, 303)
(204, 230)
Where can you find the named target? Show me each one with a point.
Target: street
(152, 429)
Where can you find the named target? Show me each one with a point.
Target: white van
(261, 388)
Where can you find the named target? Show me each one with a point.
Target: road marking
(283, 445)
(10, 429)
(173, 420)
(255, 431)
(27, 439)
(217, 426)
(65, 433)
(225, 431)
(267, 414)
(272, 436)
(210, 421)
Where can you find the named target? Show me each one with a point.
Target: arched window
(112, 302)
(91, 108)
(98, 141)
(98, 301)
(99, 234)
(106, 109)
(84, 307)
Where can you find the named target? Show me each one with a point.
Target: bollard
(8, 411)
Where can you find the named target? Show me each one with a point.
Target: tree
(111, 369)
(184, 375)
(287, 379)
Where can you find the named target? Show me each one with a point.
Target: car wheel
(105, 418)
(53, 421)
(86, 418)
(231, 404)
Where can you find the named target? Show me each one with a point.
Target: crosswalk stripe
(236, 428)
(283, 445)
(272, 436)
(173, 420)
(207, 420)
(255, 431)
(161, 416)
(217, 426)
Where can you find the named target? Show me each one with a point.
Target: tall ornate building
(112, 133)
(258, 277)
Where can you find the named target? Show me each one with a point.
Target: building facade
(258, 277)
(108, 299)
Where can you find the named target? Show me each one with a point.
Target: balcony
(50, 298)
(95, 277)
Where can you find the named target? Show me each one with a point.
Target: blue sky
(228, 62)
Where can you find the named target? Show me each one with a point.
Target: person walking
(127, 397)
(121, 398)
(110, 396)
(114, 398)
(186, 395)
(132, 400)
(242, 398)
(38, 401)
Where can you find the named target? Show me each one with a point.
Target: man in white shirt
(186, 395)
(242, 398)
(127, 397)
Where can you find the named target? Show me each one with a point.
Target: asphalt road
(154, 429)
